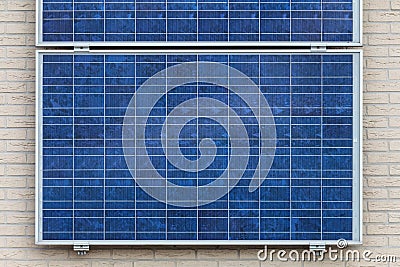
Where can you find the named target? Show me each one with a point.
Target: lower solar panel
(198, 148)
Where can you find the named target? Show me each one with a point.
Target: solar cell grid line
(134, 22)
(92, 189)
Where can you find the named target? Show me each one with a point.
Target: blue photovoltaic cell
(198, 20)
(89, 192)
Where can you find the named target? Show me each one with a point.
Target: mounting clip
(318, 248)
(318, 48)
(81, 249)
(82, 48)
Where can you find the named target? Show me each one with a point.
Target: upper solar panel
(298, 22)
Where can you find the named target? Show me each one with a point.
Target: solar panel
(199, 21)
(198, 148)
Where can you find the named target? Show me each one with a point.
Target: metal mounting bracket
(318, 248)
(81, 249)
(319, 48)
(81, 48)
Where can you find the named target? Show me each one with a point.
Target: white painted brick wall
(381, 156)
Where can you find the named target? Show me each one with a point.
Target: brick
(376, 122)
(30, 206)
(376, 5)
(379, 182)
(20, 170)
(20, 99)
(3, 76)
(2, 51)
(30, 40)
(197, 263)
(383, 133)
(12, 158)
(375, 145)
(30, 230)
(20, 122)
(3, 147)
(376, 170)
(394, 170)
(30, 87)
(375, 51)
(6, 205)
(386, 251)
(276, 263)
(11, 253)
(6, 230)
(12, 40)
(111, 263)
(31, 181)
(376, 28)
(394, 217)
(2, 99)
(12, 110)
(2, 122)
(18, 146)
(389, 158)
(20, 52)
(20, 194)
(20, 242)
(49, 254)
(21, 5)
(253, 263)
(30, 158)
(30, 110)
(30, 64)
(394, 241)
(12, 16)
(2, 28)
(12, 87)
(22, 263)
(394, 51)
(395, 4)
(382, 16)
(394, 193)
(373, 193)
(375, 241)
(365, 264)
(387, 39)
(375, 75)
(382, 110)
(326, 263)
(94, 254)
(248, 254)
(137, 254)
(12, 182)
(30, 17)
(394, 145)
(395, 97)
(154, 264)
(394, 122)
(20, 27)
(394, 28)
(21, 76)
(69, 263)
(218, 254)
(383, 205)
(175, 254)
(382, 62)
(30, 134)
